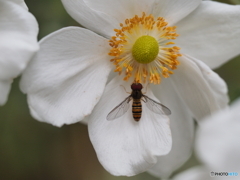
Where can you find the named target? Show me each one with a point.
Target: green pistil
(145, 49)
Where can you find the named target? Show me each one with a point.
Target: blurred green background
(33, 150)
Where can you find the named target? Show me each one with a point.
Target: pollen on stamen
(137, 65)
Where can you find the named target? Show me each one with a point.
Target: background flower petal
(182, 128)
(22, 3)
(195, 173)
(211, 33)
(66, 78)
(124, 146)
(201, 89)
(18, 40)
(217, 140)
(174, 10)
(5, 87)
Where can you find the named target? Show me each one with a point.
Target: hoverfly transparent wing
(120, 109)
(156, 107)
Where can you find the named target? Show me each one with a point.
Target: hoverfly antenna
(125, 89)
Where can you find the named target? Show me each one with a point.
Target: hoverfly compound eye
(136, 86)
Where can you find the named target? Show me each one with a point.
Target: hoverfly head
(136, 86)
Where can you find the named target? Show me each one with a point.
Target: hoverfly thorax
(136, 90)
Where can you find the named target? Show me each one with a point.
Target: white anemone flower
(68, 80)
(218, 147)
(18, 42)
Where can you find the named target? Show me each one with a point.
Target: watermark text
(219, 174)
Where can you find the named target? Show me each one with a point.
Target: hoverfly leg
(143, 100)
(125, 89)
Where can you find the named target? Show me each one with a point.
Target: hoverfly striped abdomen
(137, 109)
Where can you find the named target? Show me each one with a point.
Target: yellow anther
(168, 43)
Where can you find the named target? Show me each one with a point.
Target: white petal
(104, 16)
(18, 39)
(201, 89)
(174, 10)
(97, 21)
(182, 127)
(67, 77)
(215, 82)
(124, 146)
(4, 91)
(121, 10)
(195, 173)
(211, 33)
(218, 143)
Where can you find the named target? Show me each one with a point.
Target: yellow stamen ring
(143, 48)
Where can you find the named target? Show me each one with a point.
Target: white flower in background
(217, 146)
(18, 42)
(67, 79)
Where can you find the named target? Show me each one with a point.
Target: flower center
(145, 49)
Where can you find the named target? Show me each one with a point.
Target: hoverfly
(137, 96)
